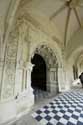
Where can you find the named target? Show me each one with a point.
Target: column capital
(29, 65)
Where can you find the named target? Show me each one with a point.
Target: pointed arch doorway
(38, 75)
(44, 76)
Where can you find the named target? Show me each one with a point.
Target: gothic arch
(48, 54)
(52, 66)
(74, 56)
(52, 49)
(73, 62)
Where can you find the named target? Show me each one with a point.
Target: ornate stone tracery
(9, 68)
(48, 55)
(52, 67)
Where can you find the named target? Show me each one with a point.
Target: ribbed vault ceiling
(59, 18)
(66, 15)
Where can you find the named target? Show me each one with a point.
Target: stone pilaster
(29, 68)
(1, 69)
(9, 67)
(62, 73)
(53, 80)
(22, 56)
(25, 98)
(61, 79)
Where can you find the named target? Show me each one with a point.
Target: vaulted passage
(38, 76)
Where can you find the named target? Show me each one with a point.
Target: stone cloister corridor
(41, 58)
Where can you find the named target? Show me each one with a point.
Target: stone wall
(9, 66)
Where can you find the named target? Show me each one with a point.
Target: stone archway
(38, 75)
(51, 68)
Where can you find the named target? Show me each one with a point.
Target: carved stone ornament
(10, 65)
(23, 27)
(48, 55)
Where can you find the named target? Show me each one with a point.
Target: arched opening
(38, 75)
(44, 76)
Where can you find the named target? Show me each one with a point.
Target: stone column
(62, 72)
(25, 99)
(9, 66)
(1, 68)
(53, 81)
(18, 81)
(61, 79)
(69, 76)
(48, 79)
(29, 68)
(22, 56)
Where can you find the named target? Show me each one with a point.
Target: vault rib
(66, 25)
(77, 16)
(58, 11)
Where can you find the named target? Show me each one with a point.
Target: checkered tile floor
(65, 109)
